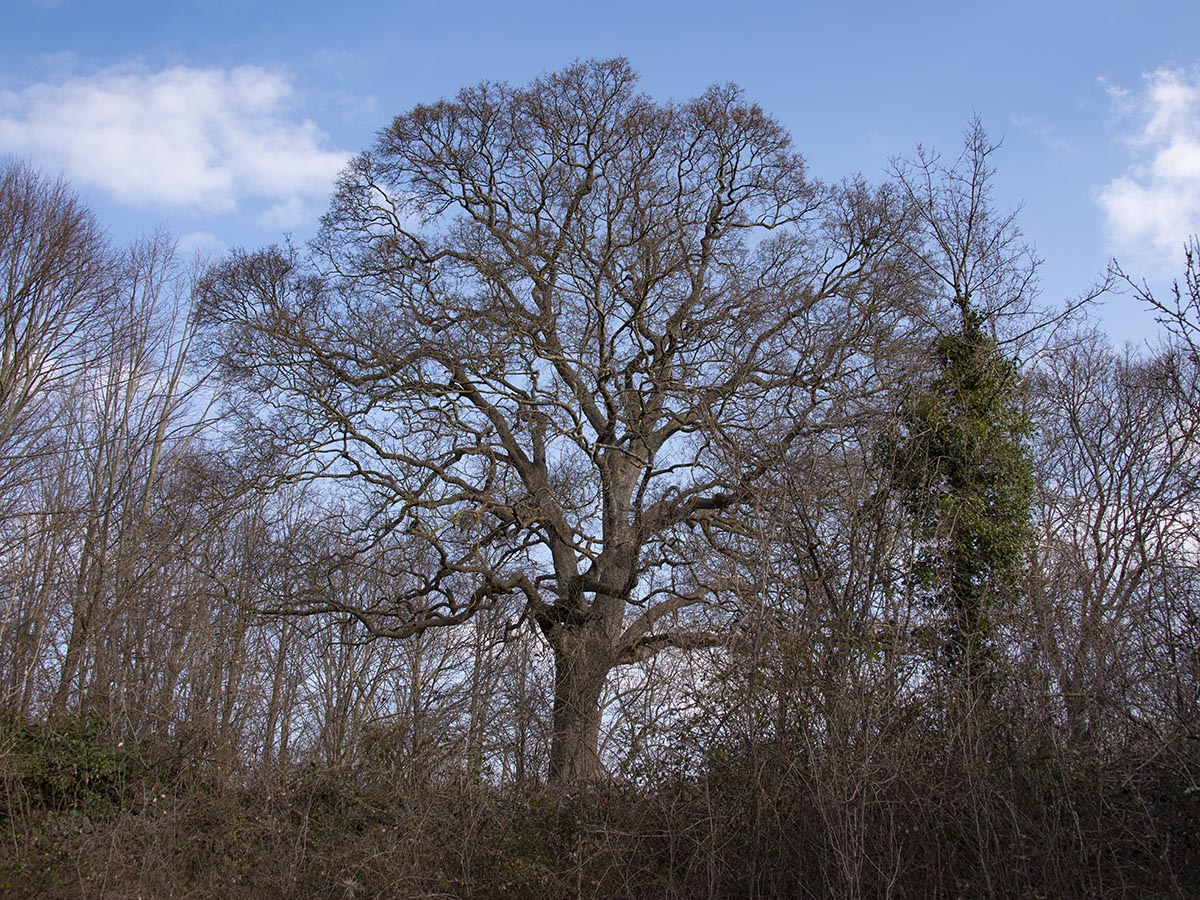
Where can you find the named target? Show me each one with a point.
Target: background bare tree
(1118, 457)
(56, 277)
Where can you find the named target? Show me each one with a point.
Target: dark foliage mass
(600, 506)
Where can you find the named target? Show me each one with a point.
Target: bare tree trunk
(522, 716)
(582, 660)
(276, 702)
(86, 600)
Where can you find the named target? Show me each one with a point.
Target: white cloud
(202, 140)
(1154, 207)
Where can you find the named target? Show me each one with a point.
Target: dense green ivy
(962, 467)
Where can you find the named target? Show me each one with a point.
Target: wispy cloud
(204, 140)
(204, 244)
(1154, 206)
(1046, 133)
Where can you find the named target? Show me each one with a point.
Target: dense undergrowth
(86, 816)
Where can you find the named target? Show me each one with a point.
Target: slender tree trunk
(274, 705)
(477, 704)
(522, 724)
(416, 718)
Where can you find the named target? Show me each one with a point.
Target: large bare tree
(533, 341)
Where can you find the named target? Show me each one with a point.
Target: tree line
(772, 531)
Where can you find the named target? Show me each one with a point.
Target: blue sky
(225, 120)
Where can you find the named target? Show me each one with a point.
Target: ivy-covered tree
(958, 454)
(968, 484)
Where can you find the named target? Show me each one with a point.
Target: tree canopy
(555, 334)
